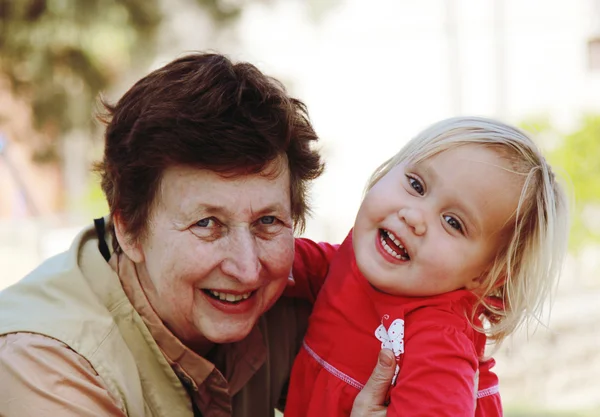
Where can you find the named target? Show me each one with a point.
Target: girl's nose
(414, 219)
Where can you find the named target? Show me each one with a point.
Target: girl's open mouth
(392, 245)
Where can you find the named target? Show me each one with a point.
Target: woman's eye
(455, 224)
(268, 226)
(416, 185)
(209, 221)
(267, 220)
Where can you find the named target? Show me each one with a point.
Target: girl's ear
(131, 247)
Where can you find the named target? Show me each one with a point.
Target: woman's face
(217, 252)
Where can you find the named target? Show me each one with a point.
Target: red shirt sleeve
(311, 265)
(437, 375)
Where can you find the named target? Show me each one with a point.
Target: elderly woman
(172, 306)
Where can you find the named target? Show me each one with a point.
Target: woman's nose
(242, 261)
(414, 219)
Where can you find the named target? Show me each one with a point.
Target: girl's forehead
(501, 151)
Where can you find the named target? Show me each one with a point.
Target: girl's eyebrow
(469, 214)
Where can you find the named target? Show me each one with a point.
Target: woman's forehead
(188, 190)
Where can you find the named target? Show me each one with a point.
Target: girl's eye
(267, 220)
(416, 185)
(455, 224)
(209, 221)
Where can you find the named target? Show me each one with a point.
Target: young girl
(458, 240)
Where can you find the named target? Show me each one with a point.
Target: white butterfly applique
(392, 338)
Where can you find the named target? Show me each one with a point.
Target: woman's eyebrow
(211, 209)
(271, 208)
(206, 209)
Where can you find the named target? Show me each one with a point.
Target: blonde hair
(526, 270)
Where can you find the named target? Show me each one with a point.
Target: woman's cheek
(180, 278)
(280, 256)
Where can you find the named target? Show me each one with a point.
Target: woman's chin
(230, 332)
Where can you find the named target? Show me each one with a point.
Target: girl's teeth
(391, 251)
(396, 241)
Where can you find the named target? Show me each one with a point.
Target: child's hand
(370, 402)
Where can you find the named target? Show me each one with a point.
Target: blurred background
(373, 74)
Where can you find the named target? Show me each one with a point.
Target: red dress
(438, 351)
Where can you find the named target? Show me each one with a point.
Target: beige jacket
(78, 338)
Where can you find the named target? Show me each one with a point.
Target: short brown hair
(203, 110)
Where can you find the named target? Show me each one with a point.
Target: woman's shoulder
(24, 352)
(46, 374)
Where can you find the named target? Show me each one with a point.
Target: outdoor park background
(372, 72)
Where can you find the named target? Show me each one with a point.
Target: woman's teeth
(403, 255)
(232, 298)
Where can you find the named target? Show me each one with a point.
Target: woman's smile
(230, 303)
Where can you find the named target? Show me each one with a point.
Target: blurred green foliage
(576, 155)
(59, 54)
(93, 203)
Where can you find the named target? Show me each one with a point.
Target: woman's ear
(131, 247)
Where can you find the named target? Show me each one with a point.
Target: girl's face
(436, 226)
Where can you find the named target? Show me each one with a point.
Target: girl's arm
(437, 375)
(311, 264)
